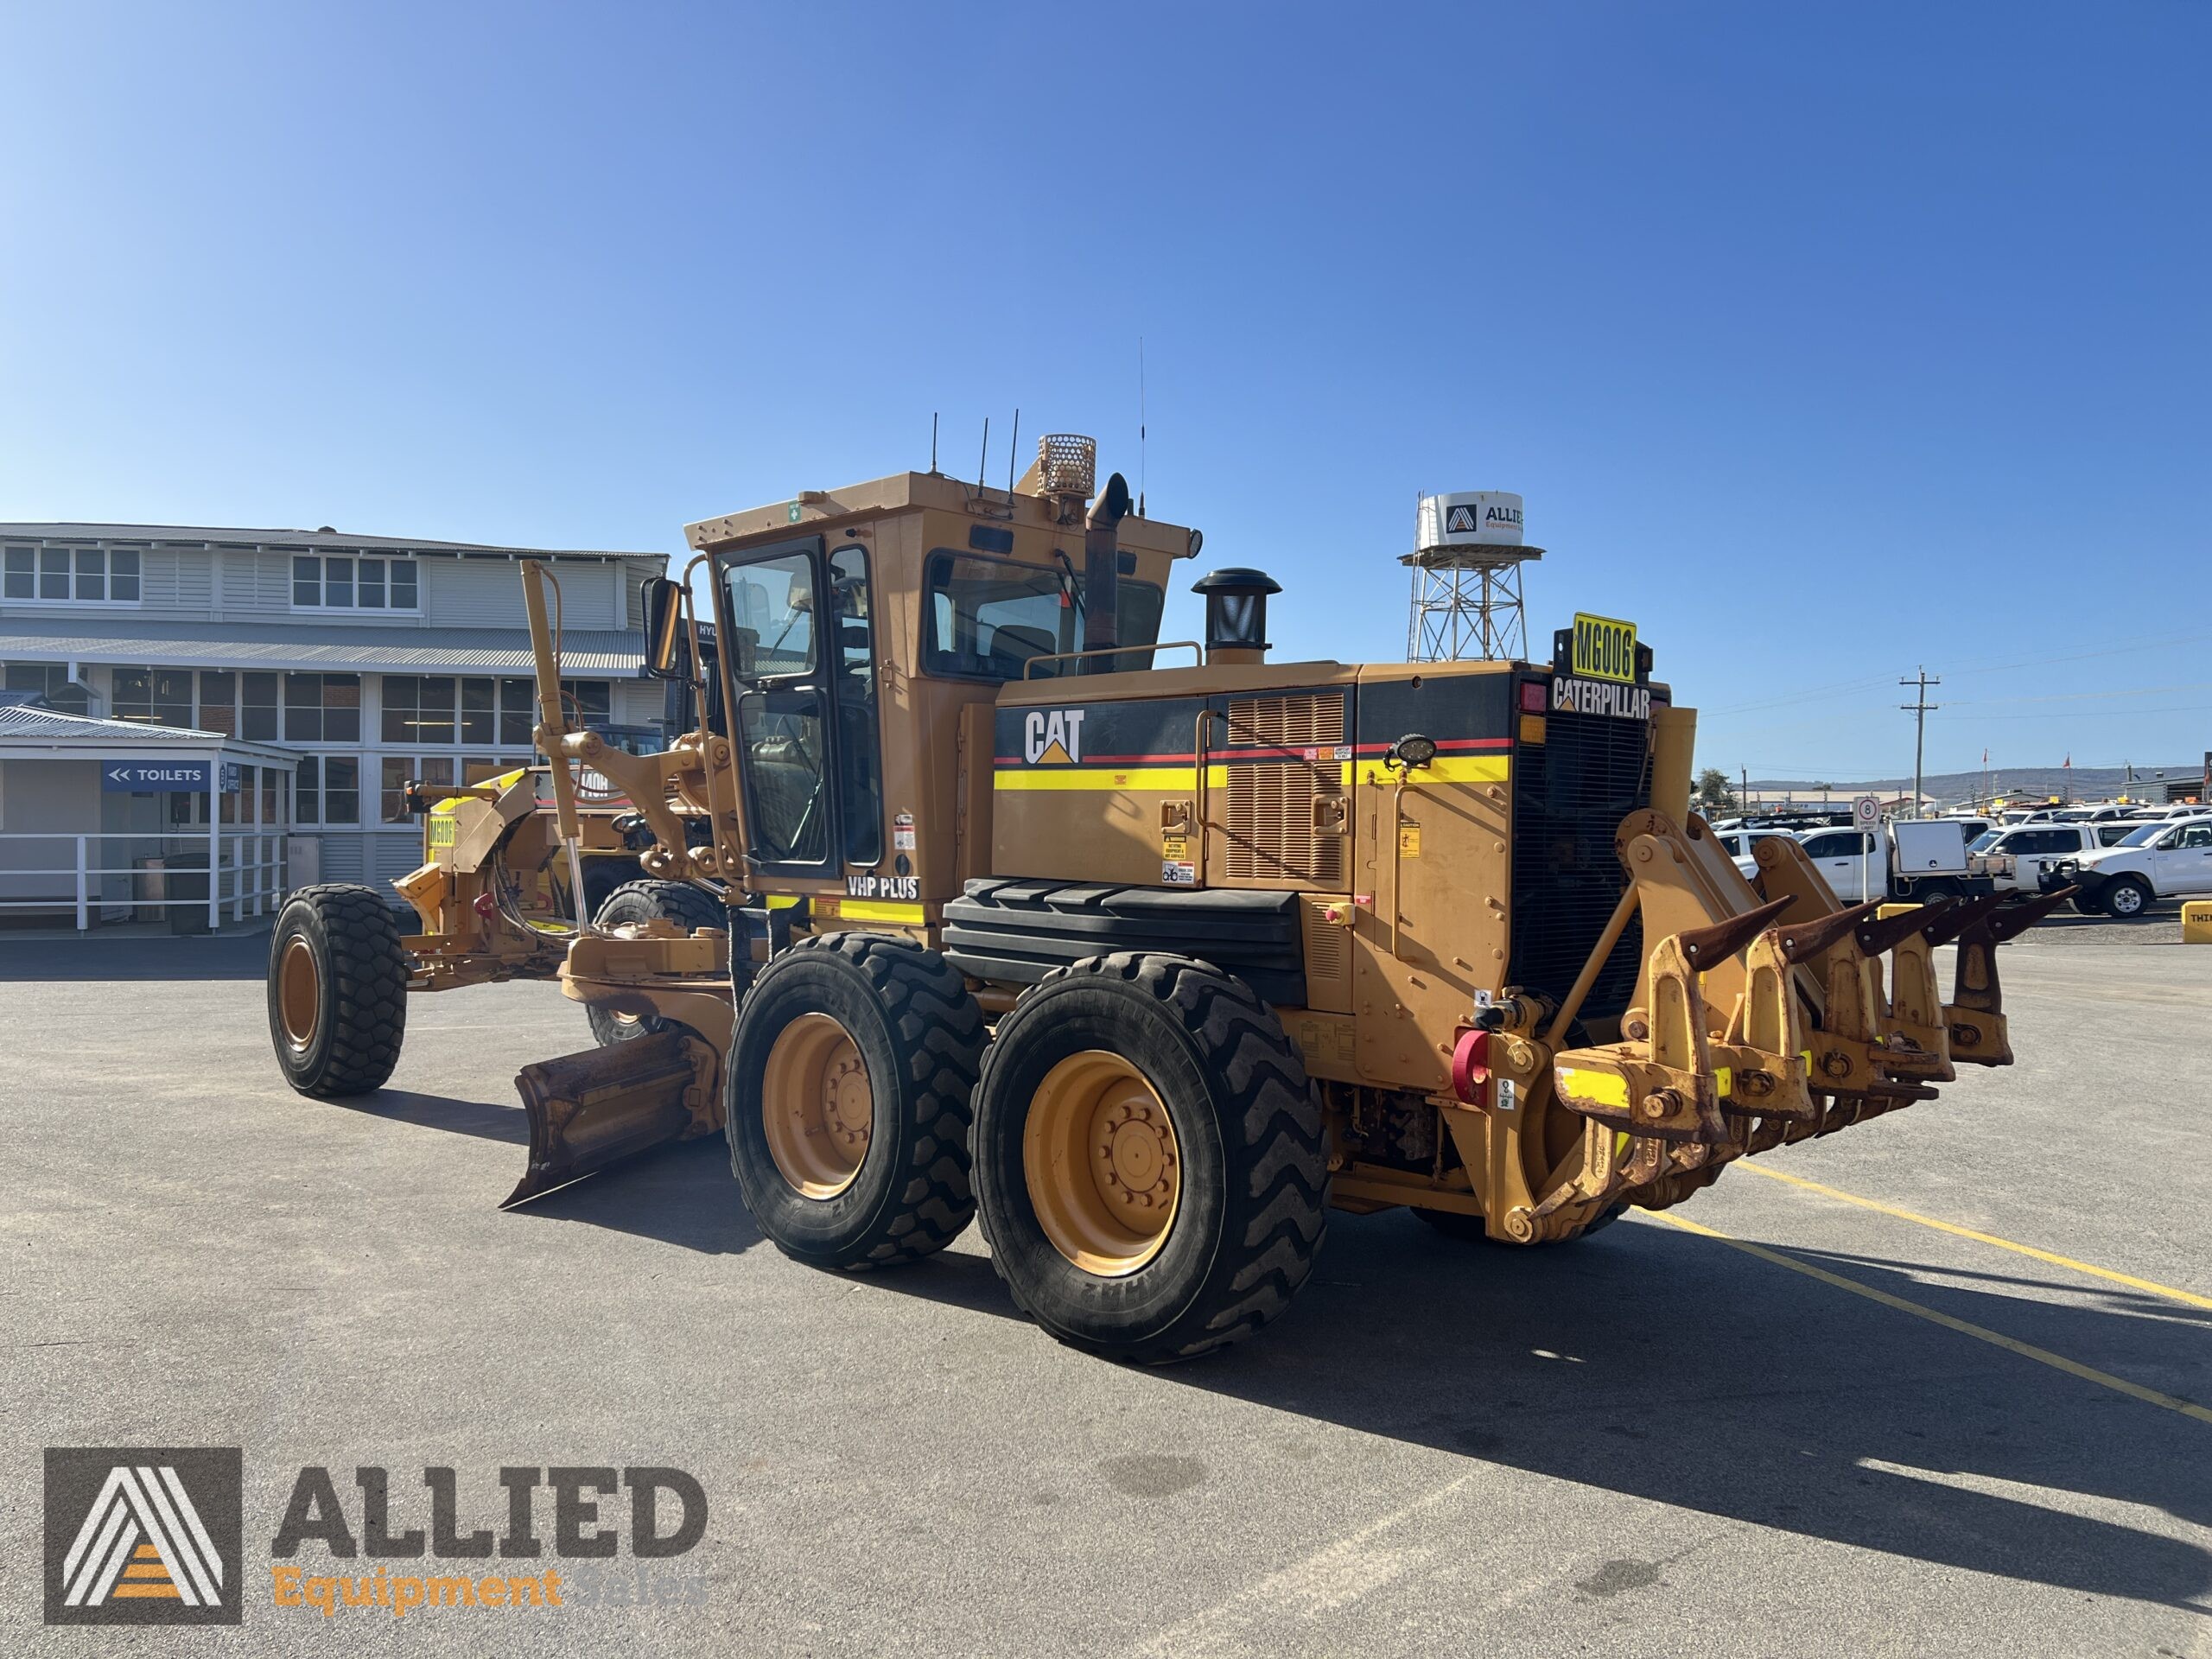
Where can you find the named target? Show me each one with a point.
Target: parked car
(1738, 843)
(2153, 860)
(2017, 856)
(1916, 860)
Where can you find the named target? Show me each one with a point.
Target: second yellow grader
(1147, 953)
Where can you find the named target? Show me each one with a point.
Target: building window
(426, 708)
(158, 697)
(418, 708)
(518, 711)
(96, 575)
(322, 708)
(588, 704)
(50, 681)
(399, 769)
(328, 789)
(478, 713)
(221, 709)
(344, 581)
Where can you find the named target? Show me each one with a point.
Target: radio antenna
(933, 442)
(984, 465)
(1140, 432)
(1013, 448)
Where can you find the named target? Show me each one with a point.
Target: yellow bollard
(2197, 921)
(1888, 911)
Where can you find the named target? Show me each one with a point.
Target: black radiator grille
(1570, 793)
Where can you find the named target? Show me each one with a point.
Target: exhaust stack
(1102, 574)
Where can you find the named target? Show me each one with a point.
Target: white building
(370, 660)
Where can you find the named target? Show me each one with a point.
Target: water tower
(1466, 563)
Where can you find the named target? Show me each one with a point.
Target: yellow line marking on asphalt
(2025, 1350)
(2055, 1259)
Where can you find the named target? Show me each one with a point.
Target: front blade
(591, 1110)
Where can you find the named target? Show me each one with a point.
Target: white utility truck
(1907, 860)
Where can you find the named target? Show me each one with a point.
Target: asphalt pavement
(1791, 1419)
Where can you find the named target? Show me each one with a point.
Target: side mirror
(664, 627)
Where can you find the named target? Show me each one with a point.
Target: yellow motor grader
(970, 896)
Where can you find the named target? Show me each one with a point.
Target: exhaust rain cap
(1237, 613)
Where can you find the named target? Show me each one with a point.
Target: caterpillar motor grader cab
(1145, 960)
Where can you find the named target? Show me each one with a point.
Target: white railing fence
(94, 874)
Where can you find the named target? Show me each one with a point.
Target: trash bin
(149, 886)
(186, 878)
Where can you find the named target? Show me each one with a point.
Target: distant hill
(2017, 783)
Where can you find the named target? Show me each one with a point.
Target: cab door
(799, 646)
(1846, 859)
(2182, 865)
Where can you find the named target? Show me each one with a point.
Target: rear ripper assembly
(969, 893)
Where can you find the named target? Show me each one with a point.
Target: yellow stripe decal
(1445, 769)
(878, 910)
(1165, 779)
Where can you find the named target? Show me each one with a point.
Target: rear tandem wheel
(846, 1099)
(1148, 1158)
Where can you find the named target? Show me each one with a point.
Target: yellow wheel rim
(299, 992)
(817, 1106)
(1102, 1163)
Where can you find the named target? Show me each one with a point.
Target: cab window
(852, 658)
(772, 605)
(987, 619)
(1837, 843)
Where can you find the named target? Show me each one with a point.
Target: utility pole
(1919, 709)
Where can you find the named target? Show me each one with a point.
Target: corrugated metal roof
(307, 645)
(201, 535)
(51, 725)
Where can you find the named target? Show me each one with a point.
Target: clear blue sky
(1823, 340)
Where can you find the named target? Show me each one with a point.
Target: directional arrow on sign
(120, 774)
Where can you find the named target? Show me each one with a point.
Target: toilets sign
(162, 777)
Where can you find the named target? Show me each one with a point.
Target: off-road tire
(2086, 906)
(645, 901)
(1251, 1214)
(361, 971)
(2127, 898)
(1449, 1223)
(921, 1038)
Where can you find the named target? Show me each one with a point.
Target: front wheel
(337, 990)
(690, 908)
(1148, 1158)
(847, 1100)
(2127, 899)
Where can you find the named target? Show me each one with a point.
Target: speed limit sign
(1866, 812)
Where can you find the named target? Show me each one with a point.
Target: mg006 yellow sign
(1605, 649)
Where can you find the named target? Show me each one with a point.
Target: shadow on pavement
(482, 1118)
(229, 955)
(1664, 1366)
(1673, 1368)
(680, 1194)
